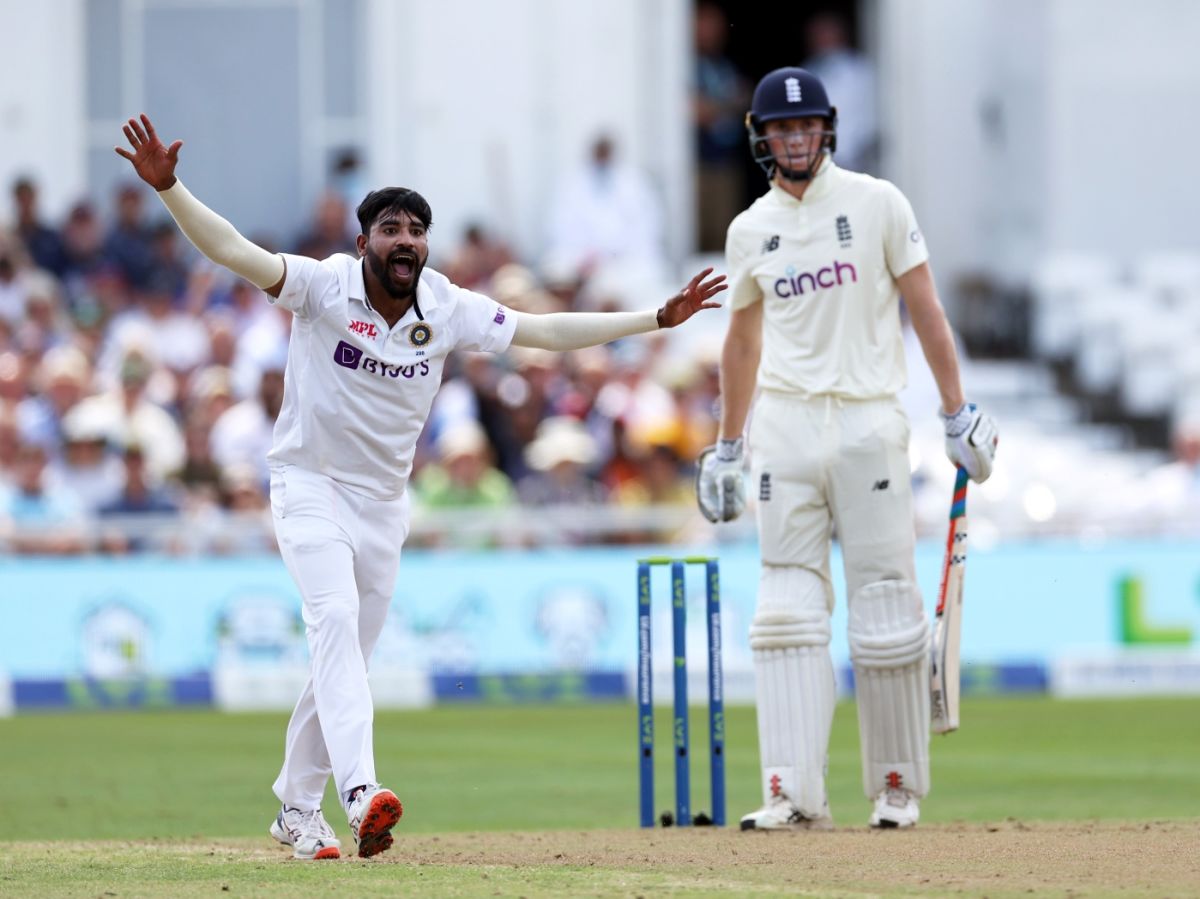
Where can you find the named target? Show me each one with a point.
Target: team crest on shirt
(843, 230)
(420, 334)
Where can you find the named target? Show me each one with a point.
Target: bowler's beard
(395, 290)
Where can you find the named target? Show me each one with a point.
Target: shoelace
(896, 797)
(312, 823)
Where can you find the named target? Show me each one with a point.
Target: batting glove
(971, 439)
(720, 487)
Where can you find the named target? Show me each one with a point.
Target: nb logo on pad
(880, 485)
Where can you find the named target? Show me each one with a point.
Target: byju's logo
(796, 285)
(346, 355)
(771, 244)
(349, 356)
(843, 230)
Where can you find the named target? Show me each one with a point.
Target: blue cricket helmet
(788, 93)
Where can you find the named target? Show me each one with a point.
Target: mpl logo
(366, 328)
(796, 285)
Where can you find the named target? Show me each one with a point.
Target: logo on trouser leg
(776, 785)
(764, 487)
(894, 780)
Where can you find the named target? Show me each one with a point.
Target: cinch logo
(366, 328)
(830, 276)
(352, 357)
(499, 319)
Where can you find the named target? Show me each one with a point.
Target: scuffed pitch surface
(1005, 859)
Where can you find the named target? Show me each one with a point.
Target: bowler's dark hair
(395, 200)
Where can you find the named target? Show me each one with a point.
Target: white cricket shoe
(306, 832)
(780, 814)
(373, 812)
(895, 808)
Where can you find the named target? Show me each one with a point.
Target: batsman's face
(795, 142)
(396, 250)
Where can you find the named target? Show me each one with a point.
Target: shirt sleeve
(903, 244)
(743, 288)
(481, 324)
(306, 285)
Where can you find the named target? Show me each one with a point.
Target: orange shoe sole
(327, 852)
(374, 834)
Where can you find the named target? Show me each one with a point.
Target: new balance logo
(843, 230)
(764, 487)
(792, 87)
(771, 244)
(880, 485)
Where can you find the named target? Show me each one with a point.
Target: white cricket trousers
(820, 463)
(343, 551)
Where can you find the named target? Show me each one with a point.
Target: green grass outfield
(171, 774)
(524, 800)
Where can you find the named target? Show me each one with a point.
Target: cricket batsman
(817, 267)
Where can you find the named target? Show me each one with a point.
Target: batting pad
(795, 688)
(889, 646)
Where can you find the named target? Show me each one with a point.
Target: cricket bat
(947, 628)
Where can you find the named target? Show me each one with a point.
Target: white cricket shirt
(356, 393)
(825, 269)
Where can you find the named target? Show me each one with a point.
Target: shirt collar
(817, 188)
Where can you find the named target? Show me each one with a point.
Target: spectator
(720, 98)
(86, 467)
(129, 244)
(39, 517)
(330, 232)
(136, 499)
(464, 475)
(83, 241)
(13, 286)
(61, 382)
(45, 324)
(127, 415)
(560, 457)
(604, 213)
(242, 436)
(44, 244)
(477, 258)
(849, 79)
(167, 270)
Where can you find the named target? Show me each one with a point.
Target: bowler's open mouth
(403, 264)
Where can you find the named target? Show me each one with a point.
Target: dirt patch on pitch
(1011, 858)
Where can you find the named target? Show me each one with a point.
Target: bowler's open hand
(694, 297)
(154, 163)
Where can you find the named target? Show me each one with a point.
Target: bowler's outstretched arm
(209, 233)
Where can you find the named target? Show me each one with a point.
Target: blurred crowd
(139, 386)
